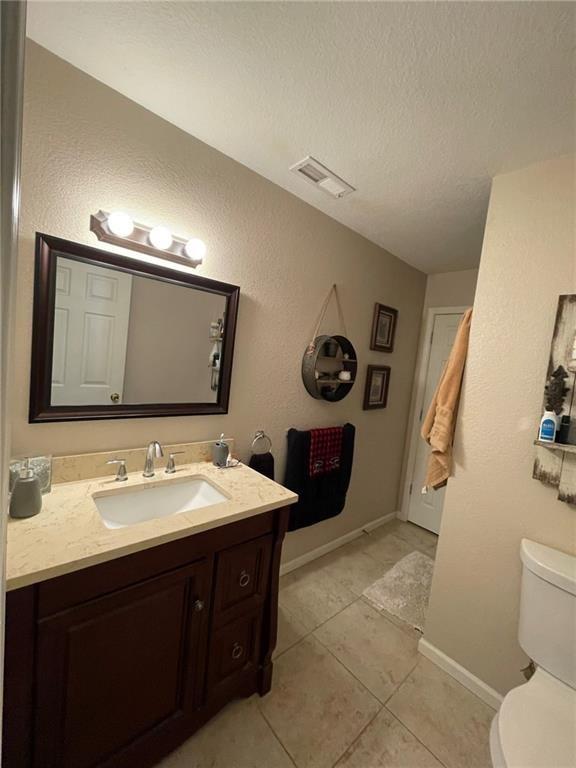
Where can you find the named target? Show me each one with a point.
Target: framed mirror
(115, 337)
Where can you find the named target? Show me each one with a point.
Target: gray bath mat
(405, 589)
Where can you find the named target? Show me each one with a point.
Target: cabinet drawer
(233, 651)
(80, 586)
(242, 574)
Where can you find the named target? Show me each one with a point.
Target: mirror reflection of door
(129, 339)
(91, 315)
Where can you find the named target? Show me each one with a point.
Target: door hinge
(410, 489)
(421, 414)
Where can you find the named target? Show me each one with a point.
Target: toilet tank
(547, 626)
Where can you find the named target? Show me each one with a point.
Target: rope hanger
(333, 291)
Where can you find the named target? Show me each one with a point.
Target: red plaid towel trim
(325, 450)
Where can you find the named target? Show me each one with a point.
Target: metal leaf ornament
(556, 390)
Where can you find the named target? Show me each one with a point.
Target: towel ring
(261, 435)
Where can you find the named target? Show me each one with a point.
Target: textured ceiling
(417, 105)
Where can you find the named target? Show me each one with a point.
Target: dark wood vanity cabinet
(118, 666)
(115, 665)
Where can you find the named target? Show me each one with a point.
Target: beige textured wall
(528, 259)
(87, 147)
(169, 343)
(451, 289)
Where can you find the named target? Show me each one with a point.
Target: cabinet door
(120, 676)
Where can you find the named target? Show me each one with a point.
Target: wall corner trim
(298, 562)
(458, 672)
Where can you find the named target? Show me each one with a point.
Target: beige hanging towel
(440, 421)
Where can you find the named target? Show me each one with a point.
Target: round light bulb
(195, 249)
(161, 238)
(120, 224)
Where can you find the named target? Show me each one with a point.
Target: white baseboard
(379, 521)
(298, 562)
(460, 673)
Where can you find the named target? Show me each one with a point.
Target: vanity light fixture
(161, 238)
(195, 249)
(120, 224)
(119, 229)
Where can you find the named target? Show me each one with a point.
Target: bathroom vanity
(122, 641)
(139, 605)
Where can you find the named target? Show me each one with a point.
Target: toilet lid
(537, 724)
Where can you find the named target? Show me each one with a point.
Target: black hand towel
(322, 496)
(263, 463)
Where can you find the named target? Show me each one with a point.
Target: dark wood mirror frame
(47, 249)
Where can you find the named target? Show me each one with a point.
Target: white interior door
(426, 509)
(92, 310)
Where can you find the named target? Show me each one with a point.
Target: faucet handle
(171, 464)
(121, 474)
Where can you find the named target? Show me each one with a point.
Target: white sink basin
(128, 506)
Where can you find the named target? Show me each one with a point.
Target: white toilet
(535, 726)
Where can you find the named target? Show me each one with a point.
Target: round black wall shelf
(322, 363)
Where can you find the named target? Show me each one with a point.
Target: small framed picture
(376, 391)
(383, 328)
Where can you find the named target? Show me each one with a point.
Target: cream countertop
(69, 534)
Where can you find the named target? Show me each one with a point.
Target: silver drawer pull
(198, 605)
(237, 651)
(244, 579)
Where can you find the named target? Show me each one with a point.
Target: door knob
(198, 605)
(115, 397)
(237, 651)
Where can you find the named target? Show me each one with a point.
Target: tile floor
(350, 689)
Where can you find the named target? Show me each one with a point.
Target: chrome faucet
(153, 451)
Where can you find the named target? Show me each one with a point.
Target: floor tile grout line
(385, 615)
(368, 724)
(403, 724)
(401, 683)
(396, 687)
(349, 671)
(278, 739)
(382, 705)
(331, 617)
(345, 668)
(334, 616)
(312, 632)
(341, 663)
(356, 599)
(421, 548)
(395, 524)
(341, 584)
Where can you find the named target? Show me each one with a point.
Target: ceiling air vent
(323, 178)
